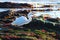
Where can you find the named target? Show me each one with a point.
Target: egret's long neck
(30, 16)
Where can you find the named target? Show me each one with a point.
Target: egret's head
(34, 14)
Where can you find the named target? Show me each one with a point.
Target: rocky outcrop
(14, 5)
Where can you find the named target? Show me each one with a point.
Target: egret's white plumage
(22, 20)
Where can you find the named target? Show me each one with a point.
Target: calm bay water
(53, 14)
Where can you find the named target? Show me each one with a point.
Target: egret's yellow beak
(34, 16)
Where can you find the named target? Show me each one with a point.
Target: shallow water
(53, 14)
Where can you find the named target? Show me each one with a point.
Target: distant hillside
(14, 5)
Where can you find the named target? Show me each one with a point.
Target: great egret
(23, 20)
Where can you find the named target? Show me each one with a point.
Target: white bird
(23, 20)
